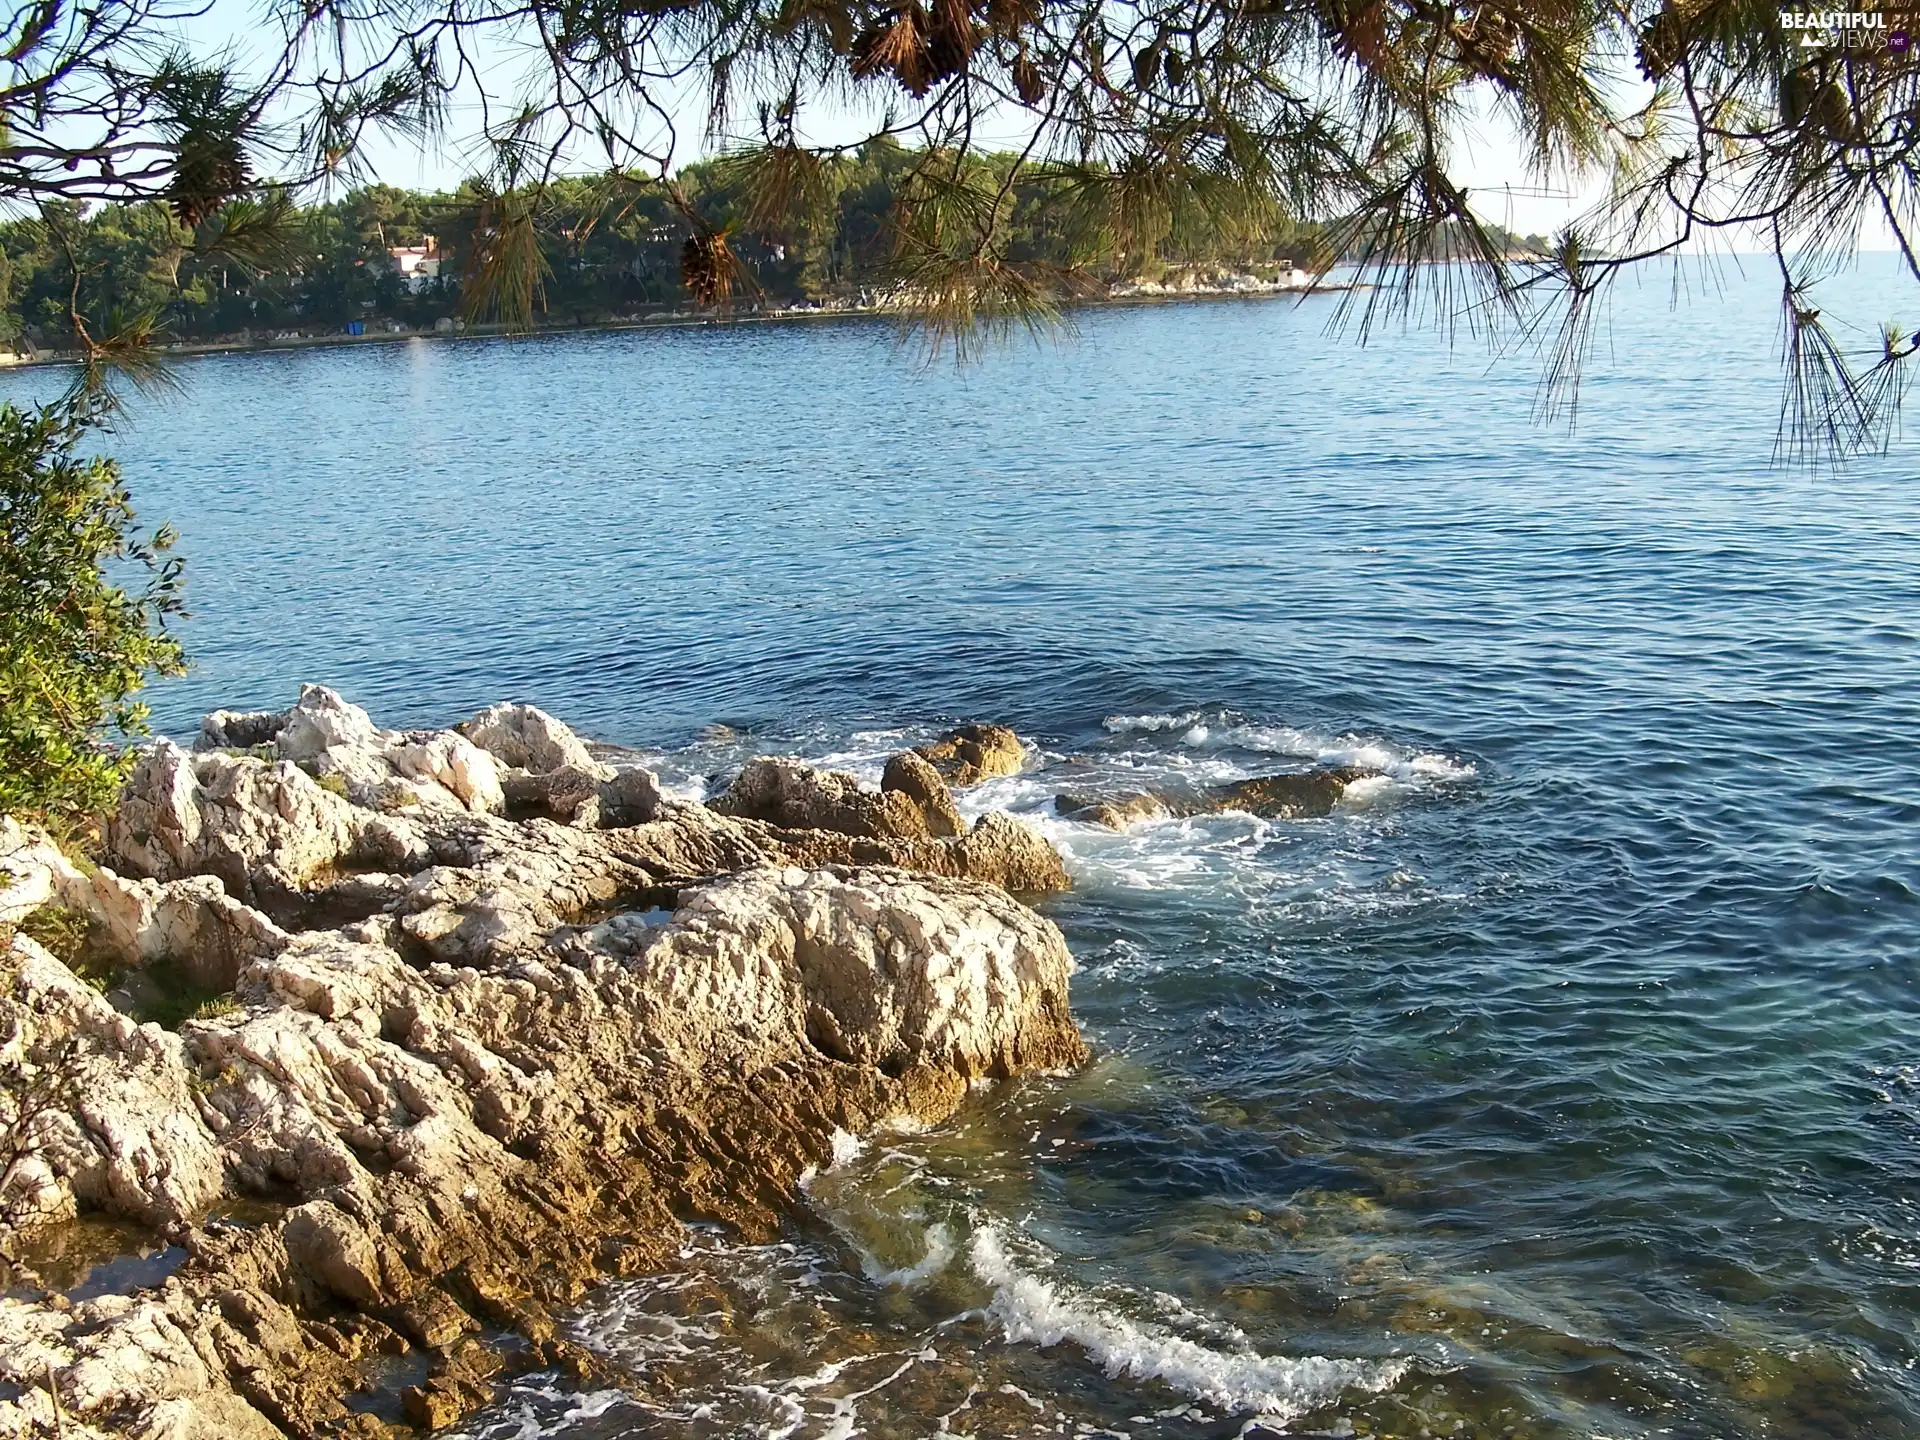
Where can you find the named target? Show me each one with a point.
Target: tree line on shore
(608, 246)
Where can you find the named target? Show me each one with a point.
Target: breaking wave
(1030, 1310)
(1225, 732)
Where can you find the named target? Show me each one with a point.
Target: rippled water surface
(1564, 1083)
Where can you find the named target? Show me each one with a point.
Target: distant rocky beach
(1191, 284)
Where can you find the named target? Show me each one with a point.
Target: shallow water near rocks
(1563, 1082)
(91, 1257)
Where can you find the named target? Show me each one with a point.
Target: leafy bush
(67, 935)
(75, 646)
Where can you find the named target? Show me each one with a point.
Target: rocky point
(485, 1019)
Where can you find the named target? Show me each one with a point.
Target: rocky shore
(404, 1039)
(1192, 284)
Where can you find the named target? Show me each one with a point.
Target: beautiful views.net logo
(1871, 30)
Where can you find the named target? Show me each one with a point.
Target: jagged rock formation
(912, 775)
(796, 796)
(972, 753)
(912, 803)
(550, 770)
(471, 1062)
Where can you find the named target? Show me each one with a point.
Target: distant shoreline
(669, 320)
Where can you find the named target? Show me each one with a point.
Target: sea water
(1565, 1081)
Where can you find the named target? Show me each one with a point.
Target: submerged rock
(1299, 795)
(473, 1048)
(969, 754)
(1116, 812)
(1286, 797)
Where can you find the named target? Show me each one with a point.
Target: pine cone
(1026, 81)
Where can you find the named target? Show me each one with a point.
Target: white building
(416, 265)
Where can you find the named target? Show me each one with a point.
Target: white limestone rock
(127, 1136)
(454, 764)
(184, 814)
(525, 737)
(192, 922)
(547, 768)
(33, 871)
(141, 1368)
(872, 967)
(327, 735)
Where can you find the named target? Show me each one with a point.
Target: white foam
(1122, 724)
(689, 789)
(595, 1403)
(1030, 1310)
(1441, 768)
(1365, 791)
(1357, 751)
(940, 1251)
(846, 1148)
(1014, 794)
(792, 1416)
(526, 1421)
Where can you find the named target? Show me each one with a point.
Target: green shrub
(66, 934)
(171, 998)
(75, 646)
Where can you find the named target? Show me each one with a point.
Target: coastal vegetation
(75, 644)
(605, 250)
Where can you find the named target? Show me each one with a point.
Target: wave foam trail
(1354, 750)
(1124, 724)
(1220, 733)
(1030, 1310)
(940, 1252)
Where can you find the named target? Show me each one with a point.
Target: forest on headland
(610, 249)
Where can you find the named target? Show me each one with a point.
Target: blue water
(1568, 1085)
